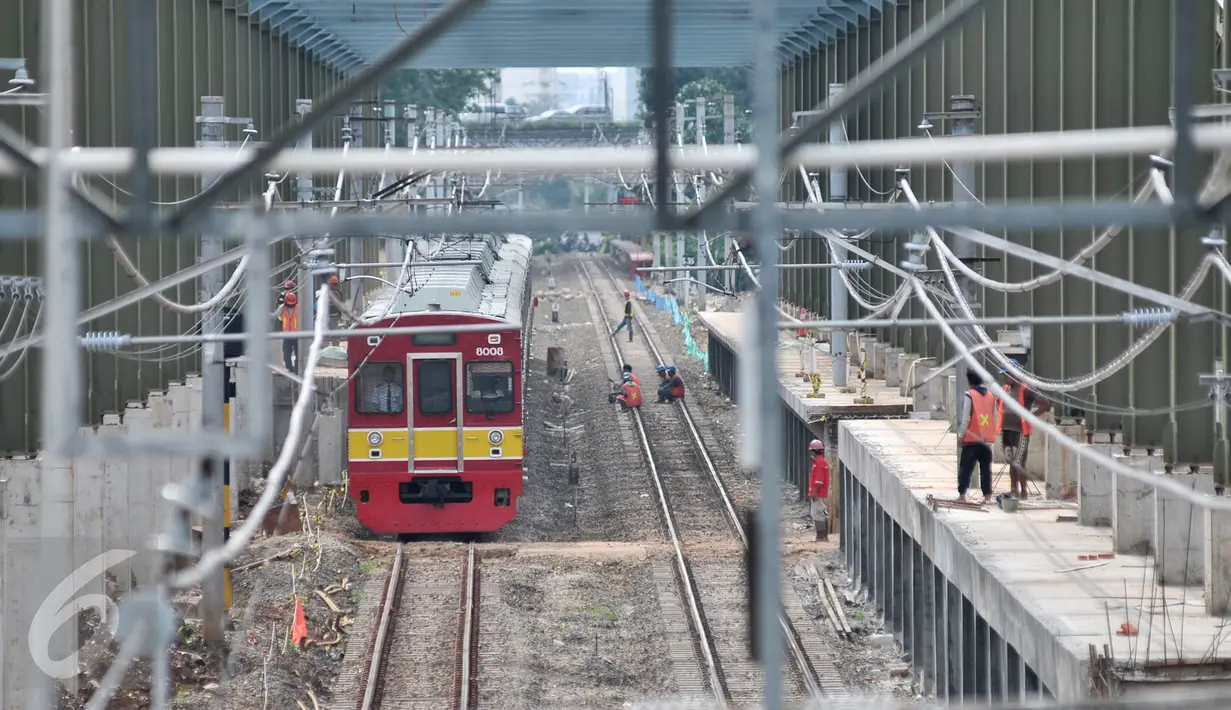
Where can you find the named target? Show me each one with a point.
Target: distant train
(436, 429)
(631, 256)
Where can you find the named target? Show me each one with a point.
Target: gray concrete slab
(1022, 572)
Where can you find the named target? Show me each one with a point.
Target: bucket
(1007, 502)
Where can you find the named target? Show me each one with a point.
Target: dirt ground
(569, 632)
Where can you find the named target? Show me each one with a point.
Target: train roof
(633, 250)
(492, 285)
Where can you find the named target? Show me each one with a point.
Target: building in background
(562, 87)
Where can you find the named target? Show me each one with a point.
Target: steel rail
(690, 594)
(788, 629)
(468, 630)
(388, 604)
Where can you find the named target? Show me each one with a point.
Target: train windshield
(489, 388)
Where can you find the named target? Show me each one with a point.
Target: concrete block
(1132, 509)
(893, 367)
(146, 508)
(909, 376)
(332, 448)
(1217, 563)
(116, 510)
(1060, 472)
(949, 395)
(1094, 495)
(877, 358)
(1179, 532)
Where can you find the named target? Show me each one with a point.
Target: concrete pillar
(331, 446)
(1061, 471)
(1015, 669)
(1094, 495)
(142, 496)
(893, 367)
(1179, 535)
(909, 605)
(983, 657)
(971, 650)
(1132, 509)
(909, 377)
(896, 616)
(838, 307)
(955, 642)
(999, 667)
(114, 505)
(1217, 563)
(924, 655)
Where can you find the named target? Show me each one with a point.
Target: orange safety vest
(678, 390)
(1021, 399)
(290, 318)
(632, 394)
(982, 427)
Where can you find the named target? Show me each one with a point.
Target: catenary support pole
(62, 372)
(702, 259)
(728, 139)
(213, 388)
(768, 427)
(838, 309)
(963, 173)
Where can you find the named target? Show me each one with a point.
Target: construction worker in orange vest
(627, 321)
(288, 315)
(976, 429)
(629, 395)
(1015, 432)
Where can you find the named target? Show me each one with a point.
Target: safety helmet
(671, 370)
(816, 445)
(1013, 362)
(626, 293)
(660, 369)
(333, 280)
(628, 377)
(288, 285)
(290, 299)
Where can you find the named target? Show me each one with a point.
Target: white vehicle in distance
(494, 112)
(580, 113)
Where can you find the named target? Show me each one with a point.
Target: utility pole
(681, 119)
(962, 112)
(305, 188)
(728, 139)
(838, 309)
(702, 260)
(215, 386)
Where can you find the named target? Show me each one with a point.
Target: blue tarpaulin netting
(668, 304)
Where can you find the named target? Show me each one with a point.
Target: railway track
(698, 512)
(425, 648)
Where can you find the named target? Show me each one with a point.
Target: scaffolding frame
(68, 217)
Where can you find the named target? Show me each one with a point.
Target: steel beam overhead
(861, 88)
(86, 210)
(452, 14)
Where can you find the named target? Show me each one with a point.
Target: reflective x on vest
(982, 428)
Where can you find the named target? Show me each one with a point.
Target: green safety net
(670, 305)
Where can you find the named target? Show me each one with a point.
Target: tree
(449, 90)
(710, 84)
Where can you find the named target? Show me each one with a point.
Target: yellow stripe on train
(478, 444)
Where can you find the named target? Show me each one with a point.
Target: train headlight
(374, 438)
(495, 436)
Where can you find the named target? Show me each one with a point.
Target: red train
(632, 257)
(436, 431)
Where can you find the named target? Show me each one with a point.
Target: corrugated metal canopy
(559, 33)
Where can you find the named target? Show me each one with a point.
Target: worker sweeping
(628, 317)
(288, 315)
(629, 394)
(818, 489)
(976, 428)
(672, 387)
(1015, 432)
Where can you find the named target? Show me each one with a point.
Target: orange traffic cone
(299, 630)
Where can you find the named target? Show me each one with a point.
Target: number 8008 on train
(436, 432)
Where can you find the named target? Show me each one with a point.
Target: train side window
(489, 388)
(381, 388)
(434, 385)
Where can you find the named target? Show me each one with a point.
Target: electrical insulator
(1148, 317)
(104, 341)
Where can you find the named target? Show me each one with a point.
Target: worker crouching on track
(977, 428)
(1015, 433)
(818, 490)
(672, 386)
(629, 395)
(628, 317)
(288, 315)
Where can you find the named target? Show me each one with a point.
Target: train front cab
(449, 457)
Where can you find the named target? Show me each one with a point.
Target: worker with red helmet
(818, 489)
(628, 317)
(288, 315)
